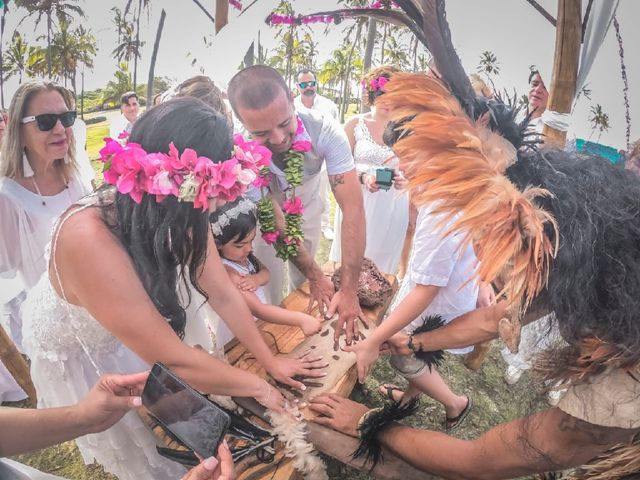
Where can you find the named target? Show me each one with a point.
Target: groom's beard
(309, 93)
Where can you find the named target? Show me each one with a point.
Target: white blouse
(26, 226)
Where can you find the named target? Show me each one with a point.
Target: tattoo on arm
(596, 434)
(335, 180)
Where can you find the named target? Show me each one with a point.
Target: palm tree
(368, 55)
(5, 10)
(142, 5)
(129, 47)
(625, 80)
(489, 66)
(119, 21)
(16, 58)
(61, 9)
(116, 87)
(154, 56)
(599, 120)
(396, 52)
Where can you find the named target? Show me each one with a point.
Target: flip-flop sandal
(453, 423)
(390, 388)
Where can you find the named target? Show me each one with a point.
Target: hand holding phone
(384, 178)
(187, 414)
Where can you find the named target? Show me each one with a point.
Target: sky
(517, 34)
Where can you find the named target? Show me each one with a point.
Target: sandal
(389, 389)
(455, 422)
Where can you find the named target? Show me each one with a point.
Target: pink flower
(162, 184)
(263, 179)
(382, 81)
(270, 237)
(300, 128)
(293, 206)
(290, 240)
(123, 135)
(244, 175)
(301, 146)
(110, 148)
(227, 173)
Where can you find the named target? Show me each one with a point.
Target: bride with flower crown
(109, 301)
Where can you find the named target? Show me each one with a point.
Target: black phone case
(222, 414)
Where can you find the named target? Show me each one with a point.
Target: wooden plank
(342, 373)
(562, 89)
(341, 446)
(16, 366)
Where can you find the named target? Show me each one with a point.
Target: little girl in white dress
(234, 227)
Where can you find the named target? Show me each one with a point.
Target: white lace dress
(69, 350)
(386, 212)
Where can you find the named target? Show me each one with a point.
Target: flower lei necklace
(286, 243)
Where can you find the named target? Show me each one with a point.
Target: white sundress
(386, 212)
(69, 351)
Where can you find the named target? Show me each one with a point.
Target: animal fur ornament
(290, 429)
(431, 358)
(376, 420)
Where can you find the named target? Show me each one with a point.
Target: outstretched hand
(110, 399)
(338, 413)
(398, 344)
(284, 368)
(220, 468)
(321, 291)
(366, 355)
(347, 306)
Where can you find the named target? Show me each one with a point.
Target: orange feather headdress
(458, 164)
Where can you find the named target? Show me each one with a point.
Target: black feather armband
(429, 324)
(373, 422)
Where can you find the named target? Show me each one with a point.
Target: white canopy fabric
(602, 12)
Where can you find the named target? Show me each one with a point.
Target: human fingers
(227, 469)
(312, 301)
(204, 471)
(130, 385)
(348, 330)
(321, 408)
(312, 373)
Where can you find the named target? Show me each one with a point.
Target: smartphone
(384, 178)
(187, 414)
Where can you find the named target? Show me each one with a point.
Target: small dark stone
(312, 347)
(325, 333)
(335, 357)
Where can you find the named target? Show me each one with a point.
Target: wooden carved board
(341, 373)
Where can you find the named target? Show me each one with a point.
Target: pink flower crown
(187, 176)
(375, 84)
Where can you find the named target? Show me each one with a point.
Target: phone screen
(187, 414)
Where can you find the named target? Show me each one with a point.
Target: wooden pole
(154, 57)
(222, 14)
(16, 365)
(562, 89)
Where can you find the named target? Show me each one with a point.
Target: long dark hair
(168, 240)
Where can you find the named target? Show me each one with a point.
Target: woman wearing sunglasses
(39, 179)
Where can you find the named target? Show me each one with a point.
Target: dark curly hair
(594, 282)
(167, 240)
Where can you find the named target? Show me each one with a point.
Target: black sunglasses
(311, 83)
(46, 121)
